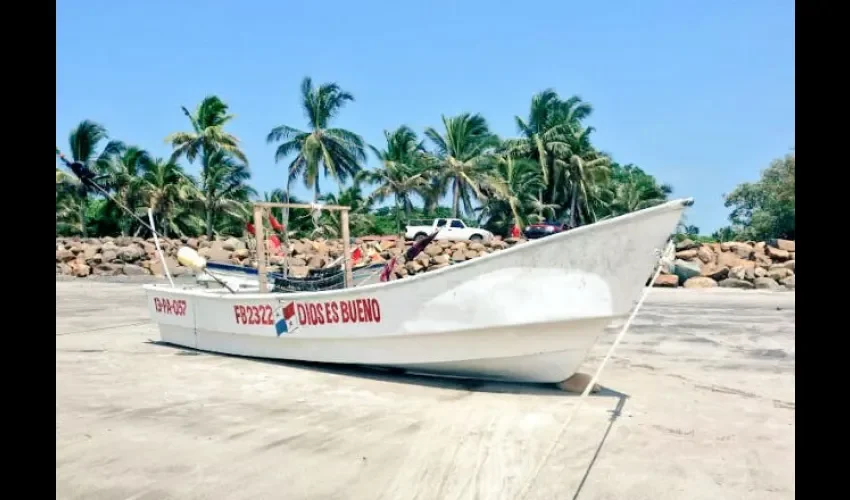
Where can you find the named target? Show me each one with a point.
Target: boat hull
(548, 352)
(528, 313)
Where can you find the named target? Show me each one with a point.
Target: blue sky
(699, 94)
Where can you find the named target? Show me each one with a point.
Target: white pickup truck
(450, 229)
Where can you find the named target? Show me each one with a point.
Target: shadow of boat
(396, 376)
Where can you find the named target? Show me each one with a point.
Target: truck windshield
(441, 222)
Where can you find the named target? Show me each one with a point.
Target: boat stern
(174, 313)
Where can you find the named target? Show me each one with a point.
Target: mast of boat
(259, 215)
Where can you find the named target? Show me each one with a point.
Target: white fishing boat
(527, 313)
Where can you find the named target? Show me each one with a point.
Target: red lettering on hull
(253, 315)
(336, 312)
(170, 307)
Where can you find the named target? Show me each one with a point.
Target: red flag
(388, 269)
(274, 244)
(356, 255)
(277, 226)
(250, 228)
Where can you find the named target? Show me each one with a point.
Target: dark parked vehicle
(545, 228)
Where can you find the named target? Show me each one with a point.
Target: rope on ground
(527, 488)
(101, 328)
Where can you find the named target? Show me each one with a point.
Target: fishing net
(317, 280)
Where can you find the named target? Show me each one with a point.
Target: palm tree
(170, 192)
(206, 139)
(402, 171)
(123, 176)
(84, 141)
(335, 151)
(583, 169)
(70, 208)
(359, 219)
(544, 132)
(632, 189)
(462, 153)
(224, 194)
(513, 186)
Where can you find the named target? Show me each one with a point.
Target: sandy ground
(699, 404)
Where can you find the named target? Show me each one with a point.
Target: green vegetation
(765, 209)
(551, 170)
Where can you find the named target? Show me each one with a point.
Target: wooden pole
(346, 247)
(261, 247)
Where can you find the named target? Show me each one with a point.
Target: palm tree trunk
(456, 200)
(82, 211)
(209, 215)
(285, 212)
(205, 180)
(316, 189)
(397, 216)
(574, 206)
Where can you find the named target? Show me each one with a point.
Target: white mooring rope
(663, 257)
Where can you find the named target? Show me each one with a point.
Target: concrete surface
(699, 404)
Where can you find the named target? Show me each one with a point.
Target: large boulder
(766, 284)
(779, 272)
(700, 282)
(689, 254)
(743, 250)
(715, 272)
(686, 244)
(107, 269)
(685, 270)
(157, 268)
(64, 255)
(134, 270)
(787, 245)
(736, 283)
(777, 253)
(705, 255)
(130, 253)
(666, 281)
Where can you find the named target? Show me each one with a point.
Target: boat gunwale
(677, 204)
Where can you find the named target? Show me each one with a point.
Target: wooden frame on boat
(260, 215)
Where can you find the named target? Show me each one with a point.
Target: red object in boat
(277, 226)
(356, 255)
(274, 244)
(515, 231)
(385, 274)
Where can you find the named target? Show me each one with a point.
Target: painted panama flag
(286, 321)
